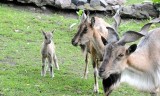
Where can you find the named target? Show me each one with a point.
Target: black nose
(101, 70)
(74, 43)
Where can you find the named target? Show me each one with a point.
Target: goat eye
(45, 37)
(120, 55)
(85, 30)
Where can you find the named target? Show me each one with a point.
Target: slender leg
(43, 72)
(96, 86)
(55, 61)
(50, 66)
(86, 67)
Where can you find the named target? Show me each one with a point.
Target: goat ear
(87, 18)
(129, 36)
(104, 40)
(88, 13)
(92, 21)
(117, 20)
(84, 16)
(44, 34)
(112, 35)
(131, 49)
(53, 31)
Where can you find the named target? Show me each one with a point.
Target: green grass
(130, 2)
(20, 60)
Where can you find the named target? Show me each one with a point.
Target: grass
(20, 60)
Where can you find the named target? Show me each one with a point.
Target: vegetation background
(20, 60)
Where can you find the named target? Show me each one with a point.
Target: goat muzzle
(74, 43)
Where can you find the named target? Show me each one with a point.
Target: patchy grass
(20, 60)
(130, 2)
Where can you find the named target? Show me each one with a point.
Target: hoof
(43, 74)
(96, 90)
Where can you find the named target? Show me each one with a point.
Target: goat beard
(111, 82)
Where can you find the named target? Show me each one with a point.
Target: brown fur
(92, 32)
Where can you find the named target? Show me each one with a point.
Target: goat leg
(86, 67)
(43, 72)
(55, 61)
(96, 86)
(50, 66)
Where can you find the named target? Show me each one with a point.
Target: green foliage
(79, 13)
(156, 1)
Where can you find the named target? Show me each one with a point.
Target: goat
(85, 48)
(48, 52)
(91, 31)
(138, 65)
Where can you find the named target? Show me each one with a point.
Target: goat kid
(48, 52)
(137, 65)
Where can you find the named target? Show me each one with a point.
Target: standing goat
(48, 52)
(92, 31)
(137, 65)
(84, 48)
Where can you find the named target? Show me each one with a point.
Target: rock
(98, 5)
(94, 3)
(157, 6)
(79, 2)
(103, 3)
(139, 11)
(115, 2)
(62, 4)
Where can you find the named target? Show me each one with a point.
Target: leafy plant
(156, 1)
(79, 13)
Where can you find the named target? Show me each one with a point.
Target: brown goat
(48, 52)
(92, 31)
(137, 65)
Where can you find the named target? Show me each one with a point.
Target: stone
(62, 4)
(94, 3)
(115, 2)
(139, 11)
(103, 3)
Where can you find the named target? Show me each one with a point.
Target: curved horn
(112, 35)
(117, 19)
(156, 20)
(83, 17)
(145, 28)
